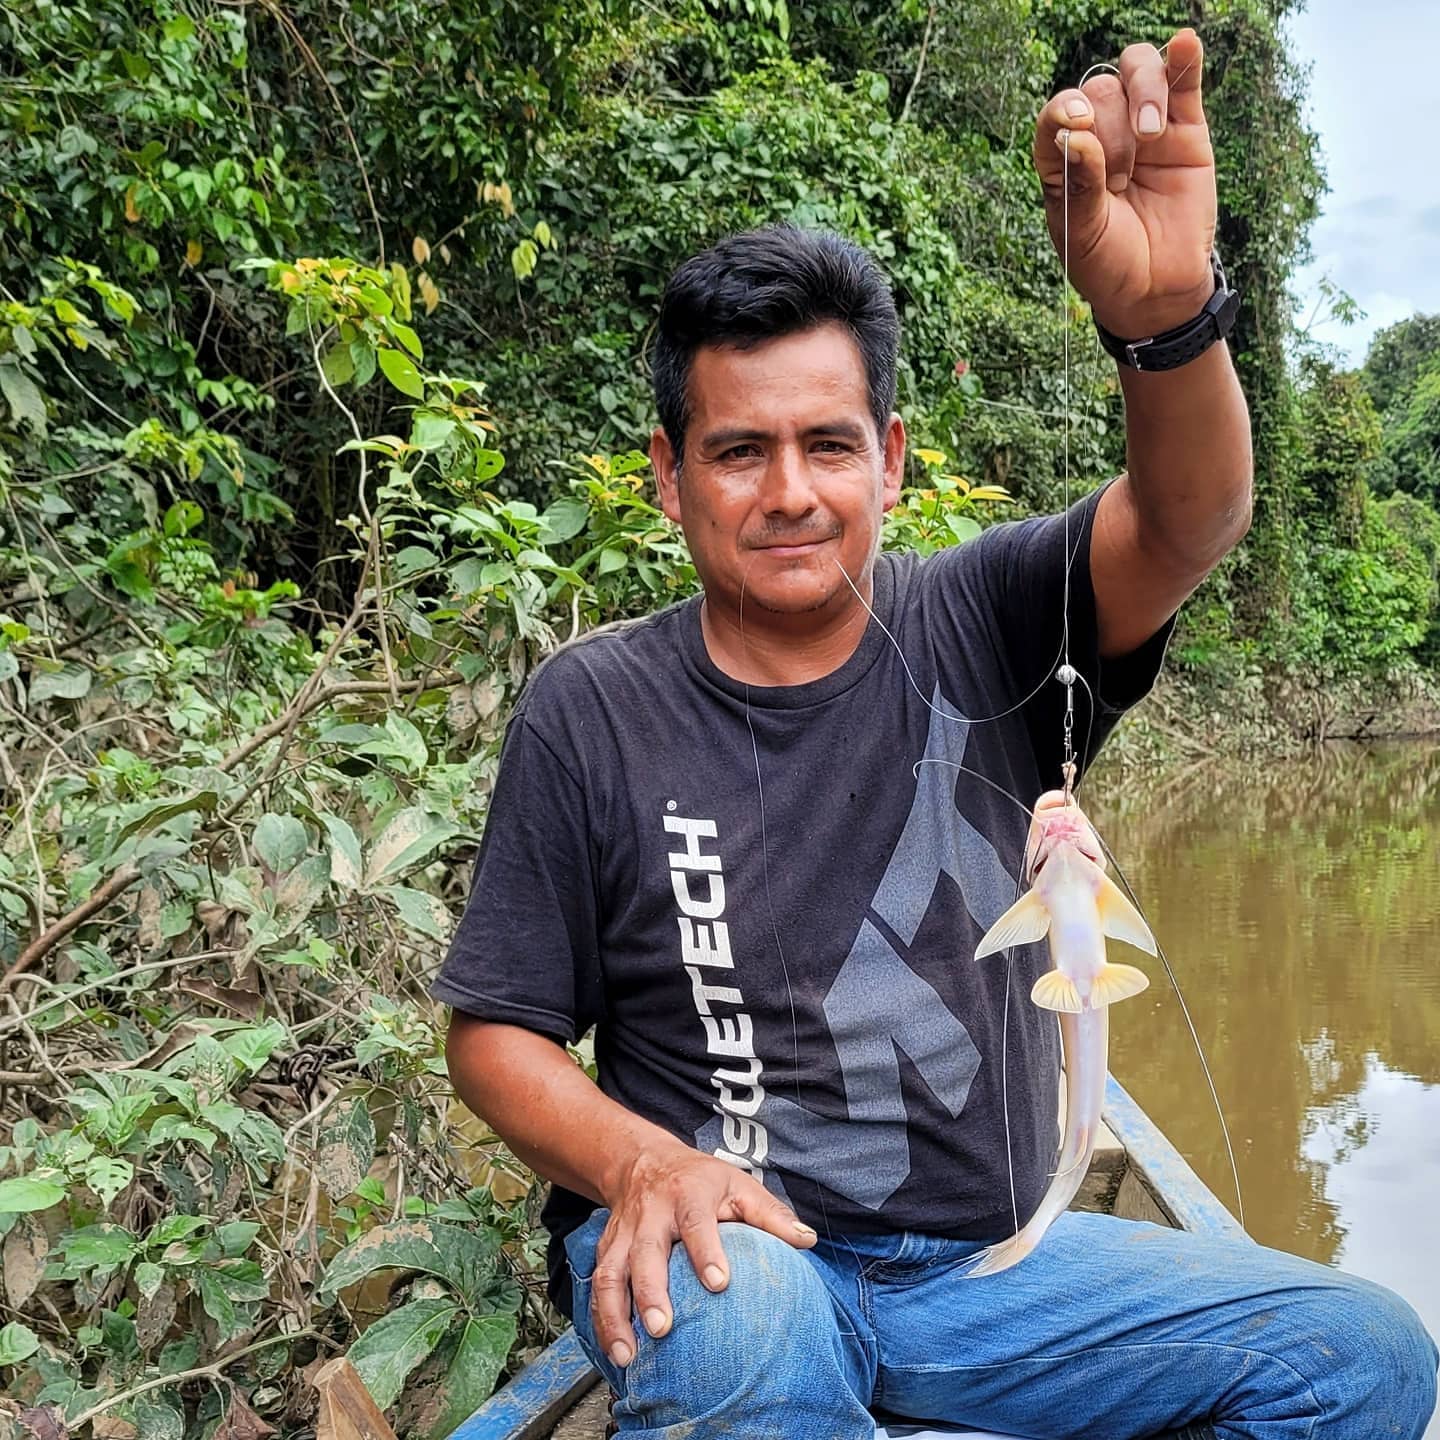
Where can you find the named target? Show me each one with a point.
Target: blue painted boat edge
(536, 1397)
(1191, 1203)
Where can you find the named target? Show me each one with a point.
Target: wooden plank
(587, 1421)
(1102, 1181)
(529, 1405)
(1176, 1188)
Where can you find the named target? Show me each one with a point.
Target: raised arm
(1141, 223)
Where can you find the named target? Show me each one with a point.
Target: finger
(758, 1207)
(1069, 110)
(650, 1278)
(1083, 212)
(700, 1235)
(1112, 128)
(1184, 71)
(1146, 89)
(610, 1299)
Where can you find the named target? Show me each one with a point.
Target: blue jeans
(1112, 1330)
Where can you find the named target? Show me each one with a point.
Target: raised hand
(1142, 187)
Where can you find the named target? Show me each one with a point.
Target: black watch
(1184, 343)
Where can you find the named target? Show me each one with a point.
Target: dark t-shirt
(769, 910)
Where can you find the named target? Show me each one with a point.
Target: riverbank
(1277, 716)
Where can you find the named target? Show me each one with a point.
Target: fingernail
(714, 1277)
(1077, 109)
(801, 1228)
(1150, 121)
(657, 1322)
(1062, 139)
(620, 1354)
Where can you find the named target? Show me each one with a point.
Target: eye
(740, 452)
(833, 447)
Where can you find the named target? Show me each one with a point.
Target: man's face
(784, 479)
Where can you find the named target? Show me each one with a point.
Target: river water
(1301, 912)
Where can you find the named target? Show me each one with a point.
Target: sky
(1372, 88)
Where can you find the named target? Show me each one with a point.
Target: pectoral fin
(1120, 920)
(1054, 991)
(1026, 921)
(1117, 982)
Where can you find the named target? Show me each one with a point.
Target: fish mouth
(1057, 825)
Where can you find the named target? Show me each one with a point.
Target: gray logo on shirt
(879, 1008)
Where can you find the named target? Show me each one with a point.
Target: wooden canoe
(1136, 1174)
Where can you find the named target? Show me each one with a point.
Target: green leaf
(400, 371)
(465, 1260)
(149, 1277)
(156, 815)
(347, 1146)
(254, 1045)
(470, 1378)
(176, 1227)
(182, 27)
(22, 395)
(24, 1193)
(406, 840)
(523, 258)
(338, 366)
(107, 1176)
(431, 431)
(300, 891)
(396, 1343)
(419, 910)
(65, 682)
(611, 560)
(97, 1247)
(409, 339)
(19, 1342)
(218, 1305)
(346, 865)
(169, 1128)
(962, 527)
(564, 520)
(628, 463)
(488, 464)
(280, 841)
(236, 1237)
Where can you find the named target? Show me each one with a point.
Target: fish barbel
(1073, 901)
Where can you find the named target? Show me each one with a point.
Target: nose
(785, 488)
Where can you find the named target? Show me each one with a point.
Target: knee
(772, 1288)
(1384, 1362)
(772, 1324)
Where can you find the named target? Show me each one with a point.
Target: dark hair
(764, 284)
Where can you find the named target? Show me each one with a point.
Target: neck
(771, 648)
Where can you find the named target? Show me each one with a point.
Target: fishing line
(1194, 1036)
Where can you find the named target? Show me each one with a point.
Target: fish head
(1058, 821)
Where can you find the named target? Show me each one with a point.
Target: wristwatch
(1173, 348)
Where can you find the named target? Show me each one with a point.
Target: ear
(894, 461)
(667, 472)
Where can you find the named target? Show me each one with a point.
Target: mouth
(790, 549)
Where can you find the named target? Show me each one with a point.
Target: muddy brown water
(1300, 909)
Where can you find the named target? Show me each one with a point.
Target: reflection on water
(1301, 912)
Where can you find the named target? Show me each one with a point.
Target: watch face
(1229, 312)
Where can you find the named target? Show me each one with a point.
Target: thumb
(756, 1206)
(1079, 167)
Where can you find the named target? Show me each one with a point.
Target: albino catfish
(1073, 901)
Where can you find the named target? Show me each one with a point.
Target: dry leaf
(347, 1411)
(45, 1422)
(420, 249)
(429, 292)
(243, 1002)
(241, 1422)
(194, 253)
(153, 1316)
(131, 213)
(112, 1427)
(26, 1247)
(148, 935)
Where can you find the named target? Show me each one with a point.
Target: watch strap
(1184, 343)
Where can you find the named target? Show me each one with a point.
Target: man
(711, 839)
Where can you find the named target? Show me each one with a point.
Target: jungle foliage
(275, 280)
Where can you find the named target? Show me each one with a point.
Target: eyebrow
(736, 435)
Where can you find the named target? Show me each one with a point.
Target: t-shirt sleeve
(1022, 568)
(526, 951)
